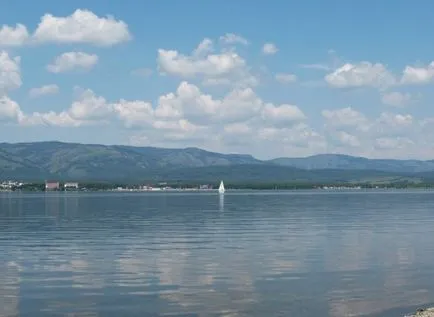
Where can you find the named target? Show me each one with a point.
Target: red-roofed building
(52, 185)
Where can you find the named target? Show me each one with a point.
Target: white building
(71, 185)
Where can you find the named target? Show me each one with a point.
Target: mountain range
(91, 162)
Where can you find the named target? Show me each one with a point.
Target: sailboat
(221, 188)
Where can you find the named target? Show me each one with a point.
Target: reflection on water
(221, 202)
(9, 288)
(238, 254)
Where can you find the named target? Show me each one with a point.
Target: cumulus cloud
(283, 114)
(396, 99)
(190, 114)
(51, 118)
(343, 138)
(240, 105)
(286, 78)
(205, 47)
(134, 113)
(346, 117)
(10, 79)
(44, 90)
(226, 67)
(269, 49)
(231, 38)
(174, 63)
(72, 61)
(87, 109)
(197, 107)
(187, 115)
(418, 75)
(393, 143)
(392, 119)
(10, 72)
(239, 120)
(354, 133)
(82, 26)
(376, 75)
(363, 74)
(13, 36)
(9, 110)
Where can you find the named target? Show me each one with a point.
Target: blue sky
(289, 79)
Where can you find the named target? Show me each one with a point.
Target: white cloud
(231, 38)
(72, 61)
(9, 110)
(363, 74)
(10, 73)
(269, 49)
(13, 36)
(350, 120)
(51, 118)
(189, 115)
(222, 68)
(286, 78)
(82, 26)
(134, 113)
(344, 138)
(205, 47)
(352, 132)
(283, 114)
(179, 130)
(173, 63)
(237, 128)
(299, 138)
(142, 72)
(239, 120)
(393, 143)
(394, 120)
(346, 117)
(89, 107)
(189, 102)
(44, 90)
(418, 75)
(396, 99)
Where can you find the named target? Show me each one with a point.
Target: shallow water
(245, 254)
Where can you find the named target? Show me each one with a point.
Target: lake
(300, 253)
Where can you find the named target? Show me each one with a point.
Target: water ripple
(249, 254)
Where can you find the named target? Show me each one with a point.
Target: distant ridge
(75, 161)
(347, 162)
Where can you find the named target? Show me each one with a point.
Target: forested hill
(71, 161)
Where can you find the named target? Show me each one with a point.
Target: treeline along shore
(38, 186)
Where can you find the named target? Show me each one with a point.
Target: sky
(291, 78)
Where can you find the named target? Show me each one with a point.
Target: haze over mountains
(85, 162)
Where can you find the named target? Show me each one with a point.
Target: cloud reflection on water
(264, 253)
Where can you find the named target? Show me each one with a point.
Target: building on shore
(70, 185)
(49, 185)
(8, 185)
(205, 187)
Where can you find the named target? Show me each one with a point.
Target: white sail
(221, 188)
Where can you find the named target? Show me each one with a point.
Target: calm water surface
(247, 254)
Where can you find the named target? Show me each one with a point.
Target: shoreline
(423, 312)
(194, 190)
